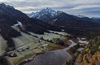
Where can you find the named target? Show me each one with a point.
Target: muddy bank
(67, 42)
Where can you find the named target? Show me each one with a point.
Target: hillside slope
(10, 17)
(91, 53)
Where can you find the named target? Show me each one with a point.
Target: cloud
(84, 7)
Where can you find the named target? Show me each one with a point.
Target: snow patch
(80, 41)
(55, 19)
(86, 42)
(19, 23)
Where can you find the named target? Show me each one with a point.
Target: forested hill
(91, 53)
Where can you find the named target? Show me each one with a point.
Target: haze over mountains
(91, 19)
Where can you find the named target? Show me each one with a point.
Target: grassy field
(28, 54)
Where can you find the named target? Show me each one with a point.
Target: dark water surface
(56, 57)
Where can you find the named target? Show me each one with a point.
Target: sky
(90, 8)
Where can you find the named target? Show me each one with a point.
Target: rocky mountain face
(45, 14)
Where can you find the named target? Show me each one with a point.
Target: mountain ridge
(48, 13)
(97, 19)
(45, 14)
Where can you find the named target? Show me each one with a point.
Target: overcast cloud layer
(89, 8)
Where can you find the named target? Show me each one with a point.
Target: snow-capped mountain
(45, 14)
(97, 19)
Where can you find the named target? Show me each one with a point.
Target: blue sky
(90, 8)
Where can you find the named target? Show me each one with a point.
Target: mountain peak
(46, 13)
(48, 10)
(8, 6)
(2, 4)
